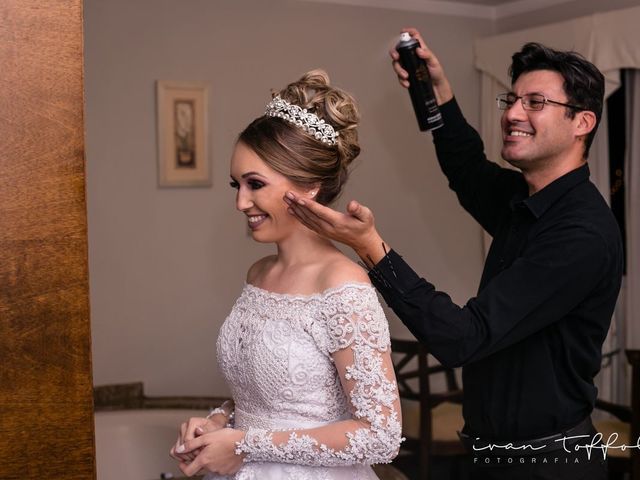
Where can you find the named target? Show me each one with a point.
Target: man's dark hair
(583, 82)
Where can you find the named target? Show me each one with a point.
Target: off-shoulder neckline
(309, 296)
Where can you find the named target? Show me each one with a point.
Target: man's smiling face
(533, 138)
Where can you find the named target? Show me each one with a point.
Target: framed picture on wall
(183, 157)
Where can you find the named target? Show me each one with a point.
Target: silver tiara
(307, 121)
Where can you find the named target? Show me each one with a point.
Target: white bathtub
(134, 444)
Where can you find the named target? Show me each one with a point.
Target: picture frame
(183, 156)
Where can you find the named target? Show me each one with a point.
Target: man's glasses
(530, 101)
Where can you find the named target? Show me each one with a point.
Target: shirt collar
(539, 202)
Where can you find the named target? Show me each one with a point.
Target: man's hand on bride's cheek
(216, 452)
(353, 228)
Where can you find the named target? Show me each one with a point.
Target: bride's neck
(302, 247)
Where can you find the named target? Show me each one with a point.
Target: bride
(305, 348)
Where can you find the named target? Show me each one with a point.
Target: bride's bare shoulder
(339, 270)
(259, 268)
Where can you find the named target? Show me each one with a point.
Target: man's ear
(586, 122)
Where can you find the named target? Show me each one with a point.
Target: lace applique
(349, 318)
(355, 315)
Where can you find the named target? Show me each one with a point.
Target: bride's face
(260, 196)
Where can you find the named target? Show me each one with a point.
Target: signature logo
(596, 443)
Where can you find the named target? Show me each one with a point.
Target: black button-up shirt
(530, 341)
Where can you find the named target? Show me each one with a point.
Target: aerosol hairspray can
(420, 88)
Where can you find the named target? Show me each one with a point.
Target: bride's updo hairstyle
(293, 151)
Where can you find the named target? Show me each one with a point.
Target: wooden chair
(430, 420)
(626, 424)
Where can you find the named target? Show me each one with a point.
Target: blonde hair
(296, 154)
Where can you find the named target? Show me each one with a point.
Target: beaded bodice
(276, 352)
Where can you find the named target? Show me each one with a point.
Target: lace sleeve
(357, 337)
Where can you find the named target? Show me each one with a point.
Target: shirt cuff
(392, 273)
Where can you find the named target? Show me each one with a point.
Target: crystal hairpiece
(298, 116)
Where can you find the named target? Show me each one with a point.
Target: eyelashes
(253, 184)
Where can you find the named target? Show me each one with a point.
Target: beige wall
(561, 12)
(167, 264)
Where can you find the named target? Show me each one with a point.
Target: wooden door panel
(46, 406)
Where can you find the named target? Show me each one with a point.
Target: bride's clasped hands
(215, 451)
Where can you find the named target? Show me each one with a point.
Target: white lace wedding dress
(289, 359)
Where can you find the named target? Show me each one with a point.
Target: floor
(442, 468)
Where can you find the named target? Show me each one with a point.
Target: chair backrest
(629, 415)
(406, 353)
(633, 356)
(410, 361)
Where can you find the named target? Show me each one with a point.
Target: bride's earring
(313, 193)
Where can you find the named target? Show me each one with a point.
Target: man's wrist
(372, 250)
(443, 94)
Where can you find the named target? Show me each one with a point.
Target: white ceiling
(490, 9)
